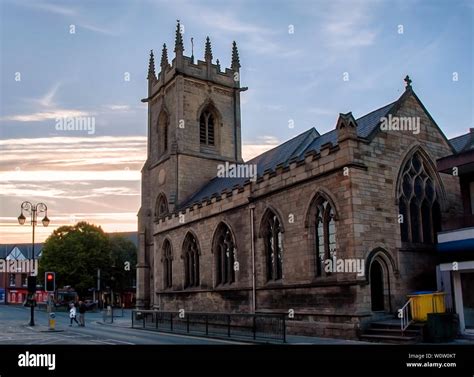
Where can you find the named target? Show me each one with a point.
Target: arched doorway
(377, 286)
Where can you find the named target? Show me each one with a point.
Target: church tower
(193, 126)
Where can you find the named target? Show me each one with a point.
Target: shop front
(456, 273)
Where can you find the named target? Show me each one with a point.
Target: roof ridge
(284, 152)
(463, 135)
(285, 142)
(363, 116)
(306, 142)
(373, 111)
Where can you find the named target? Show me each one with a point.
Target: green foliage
(75, 253)
(124, 260)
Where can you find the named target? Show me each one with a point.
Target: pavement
(14, 329)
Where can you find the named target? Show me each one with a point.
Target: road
(14, 329)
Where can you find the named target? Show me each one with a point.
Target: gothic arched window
(273, 243)
(207, 123)
(161, 208)
(163, 121)
(418, 203)
(167, 265)
(191, 261)
(325, 233)
(224, 250)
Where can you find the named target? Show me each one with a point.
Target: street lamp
(33, 210)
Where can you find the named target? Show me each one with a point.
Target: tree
(124, 260)
(75, 253)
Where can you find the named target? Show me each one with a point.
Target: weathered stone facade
(358, 176)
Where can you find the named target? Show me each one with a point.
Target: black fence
(257, 327)
(109, 314)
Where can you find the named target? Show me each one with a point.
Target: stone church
(337, 227)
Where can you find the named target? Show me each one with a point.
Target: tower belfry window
(206, 128)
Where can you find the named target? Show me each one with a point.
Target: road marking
(101, 341)
(120, 341)
(195, 337)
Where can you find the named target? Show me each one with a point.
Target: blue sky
(291, 76)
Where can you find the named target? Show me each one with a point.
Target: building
(456, 241)
(334, 229)
(14, 287)
(14, 284)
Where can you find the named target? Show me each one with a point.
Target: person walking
(82, 314)
(72, 314)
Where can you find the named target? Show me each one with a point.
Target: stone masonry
(359, 176)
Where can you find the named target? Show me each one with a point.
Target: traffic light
(50, 281)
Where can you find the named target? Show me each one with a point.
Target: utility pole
(98, 286)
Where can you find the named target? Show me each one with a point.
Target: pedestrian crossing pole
(51, 314)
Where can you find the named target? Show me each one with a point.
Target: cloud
(97, 29)
(49, 109)
(46, 115)
(73, 158)
(230, 23)
(118, 107)
(51, 8)
(261, 145)
(95, 179)
(74, 15)
(346, 28)
(48, 99)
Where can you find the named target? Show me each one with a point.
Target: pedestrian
(82, 313)
(72, 314)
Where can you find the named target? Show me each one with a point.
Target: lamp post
(33, 210)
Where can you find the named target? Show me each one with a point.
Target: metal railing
(257, 327)
(405, 315)
(110, 313)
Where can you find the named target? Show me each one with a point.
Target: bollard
(52, 321)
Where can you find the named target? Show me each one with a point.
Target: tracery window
(418, 203)
(273, 242)
(224, 250)
(191, 261)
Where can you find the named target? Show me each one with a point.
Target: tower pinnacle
(178, 44)
(151, 67)
(235, 57)
(208, 51)
(164, 57)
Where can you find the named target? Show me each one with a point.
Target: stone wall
(359, 177)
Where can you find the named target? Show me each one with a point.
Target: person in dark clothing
(82, 313)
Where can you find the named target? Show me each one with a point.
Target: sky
(303, 61)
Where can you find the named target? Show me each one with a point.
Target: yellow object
(424, 303)
(52, 324)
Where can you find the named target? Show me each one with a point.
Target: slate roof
(296, 147)
(463, 143)
(25, 248)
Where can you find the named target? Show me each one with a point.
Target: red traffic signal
(50, 281)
